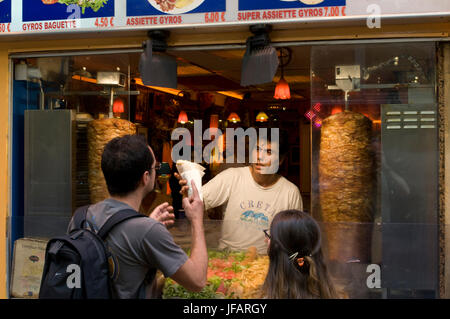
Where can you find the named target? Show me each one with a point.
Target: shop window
(362, 125)
(375, 160)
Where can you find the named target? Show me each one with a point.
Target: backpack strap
(116, 219)
(79, 217)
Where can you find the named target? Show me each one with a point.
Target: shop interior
(390, 80)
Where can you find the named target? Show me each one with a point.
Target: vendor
(251, 197)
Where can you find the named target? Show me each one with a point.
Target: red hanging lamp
(182, 117)
(118, 106)
(282, 91)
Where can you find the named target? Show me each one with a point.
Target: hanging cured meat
(100, 132)
(346, 183)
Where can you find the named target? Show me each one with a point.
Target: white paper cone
(196, 176)
(191, 172)
(184, 166)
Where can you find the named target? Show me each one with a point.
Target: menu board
(50, 16)
(166, 12)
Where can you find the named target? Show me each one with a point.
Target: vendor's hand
(193, 206)
(183, 183)
(164, 214)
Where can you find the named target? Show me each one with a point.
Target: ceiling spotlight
(157, 68)
(233, 117)
(260, 62)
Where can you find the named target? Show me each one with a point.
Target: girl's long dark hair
(293, 231)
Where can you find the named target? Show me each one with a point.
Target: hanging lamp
(233, 117)
(118, 106)
(262, 117)
(182, 117)
(282, 91)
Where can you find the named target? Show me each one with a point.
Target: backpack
(77, 265)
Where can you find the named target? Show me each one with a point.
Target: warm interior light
(234, 118)
(282, 91)
(158, 88)
(336, 109)
(262, 117)
(83, 78)
(118, 106)
(232, 94)
(182, 117)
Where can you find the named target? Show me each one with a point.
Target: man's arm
(192, 274)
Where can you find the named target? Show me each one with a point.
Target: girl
(296, 268)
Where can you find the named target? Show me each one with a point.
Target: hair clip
(292, 257)
(300, 262)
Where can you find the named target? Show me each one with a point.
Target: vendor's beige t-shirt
(248, 207)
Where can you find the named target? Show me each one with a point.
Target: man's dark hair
(124, 161)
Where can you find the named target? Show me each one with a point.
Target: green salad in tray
(223, 268)
(95, 5)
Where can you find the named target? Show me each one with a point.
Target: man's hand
(193, 206)
(164, 214)
(183, 184)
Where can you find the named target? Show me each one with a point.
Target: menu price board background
(5, 11)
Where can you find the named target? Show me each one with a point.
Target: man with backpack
(138, 246)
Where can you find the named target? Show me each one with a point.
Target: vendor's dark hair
(294, 232)
(124, 161)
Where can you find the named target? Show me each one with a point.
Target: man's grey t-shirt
(141, 246)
